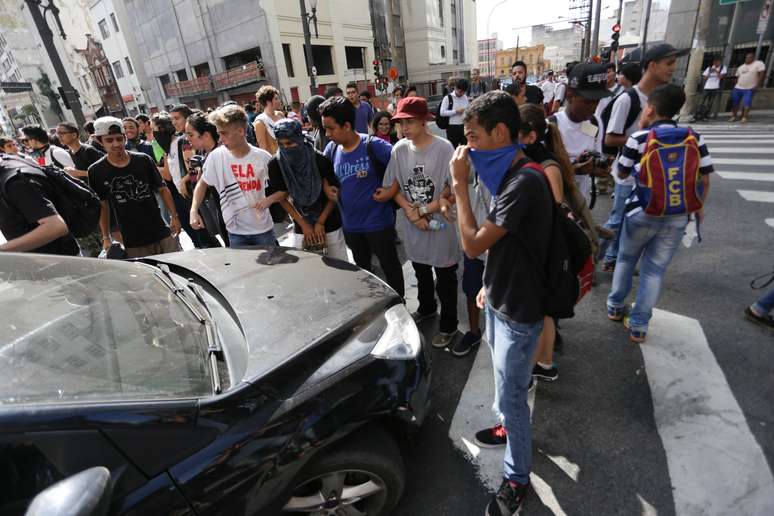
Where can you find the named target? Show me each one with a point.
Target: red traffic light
(376, 62)
(617, 27)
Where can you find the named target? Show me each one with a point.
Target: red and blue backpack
(669, 181)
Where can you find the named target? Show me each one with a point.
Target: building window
(129, 68)
(202, 70)
(354, 57)
(182, 75)
(455, 56)
(114, 21)
(440, 11)
(103, 29)
(242, 58)
(288, 59)
(454, 34)
(443, 52)
(164, 79)
(323, 59)
(118, 70)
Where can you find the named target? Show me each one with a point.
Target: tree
(44, 85)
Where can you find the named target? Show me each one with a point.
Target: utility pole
(618, 22)
(308, 47)
(597, 16)
(693, 70)
(71, 96)
(729, 50)
(588, 32)
(645, 34)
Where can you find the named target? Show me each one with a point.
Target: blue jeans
(237, 241)
(513, 346)
(765, 304)
(656, 239)
(614, 221)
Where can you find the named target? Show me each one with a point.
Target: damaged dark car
(255, 382)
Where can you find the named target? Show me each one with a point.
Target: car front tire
(363, 475)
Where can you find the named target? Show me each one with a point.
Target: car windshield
(83, 330)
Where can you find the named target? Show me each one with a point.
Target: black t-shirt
(131, 191)
(277, 184)
(512, 279)
(28, 200)
(86, 157)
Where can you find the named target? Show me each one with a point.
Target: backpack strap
(635, 108)
(380, 167)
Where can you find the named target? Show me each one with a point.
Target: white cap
(103, 125)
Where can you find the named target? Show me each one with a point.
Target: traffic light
(377, 72)
(614, 37)
(63, 97)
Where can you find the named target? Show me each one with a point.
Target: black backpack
(634, 112)
(443, 121)
(569, 250)
(77, 204)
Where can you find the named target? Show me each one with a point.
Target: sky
(511, 14)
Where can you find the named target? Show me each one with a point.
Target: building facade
(102, 75)
(487, 55)
(561, 45)
(532, 56)
(111, 35)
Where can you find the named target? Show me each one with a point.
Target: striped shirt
(631, 155)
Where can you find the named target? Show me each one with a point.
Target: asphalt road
(682, 424)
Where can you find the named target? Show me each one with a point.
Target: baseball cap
(654, 53)
(108, 125)
(413, 107)
(589, 80)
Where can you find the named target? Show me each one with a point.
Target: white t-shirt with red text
(251, 173)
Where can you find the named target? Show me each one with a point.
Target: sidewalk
(757, 118)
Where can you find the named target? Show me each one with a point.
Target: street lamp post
(305, 19)
(489, 38)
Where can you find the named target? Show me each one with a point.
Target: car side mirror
(86, 493)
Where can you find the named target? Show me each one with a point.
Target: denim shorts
(237, 241)
(743, 96)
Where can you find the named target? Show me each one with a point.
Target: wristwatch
(423, 210)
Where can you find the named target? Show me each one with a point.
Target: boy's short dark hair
(36, 132)
(632, 71)
(333, 91)
(492, 108)
(249, 108)
(667, 100)
(610, 65)
(89, 127)
(366, 94)
(410, 87)
(4, 141)
(182, 109)
(132, 120)
(68, 127)
(201, 124)
(461, 84)
(519, 63)
(352, 85)
(340, 109)
(142, 117)
(266, 94)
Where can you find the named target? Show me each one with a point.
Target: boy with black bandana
(298, 178)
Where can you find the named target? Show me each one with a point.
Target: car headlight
(400, 340)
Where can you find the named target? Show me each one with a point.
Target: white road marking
(546, 494)
(770, 222)
(740, 150)
(757, 195)
(570, 468)
(742, 161)
(647, 509)
(709, 447)
(747, 176)
(742, 140)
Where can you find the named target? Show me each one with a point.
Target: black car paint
(235, 453)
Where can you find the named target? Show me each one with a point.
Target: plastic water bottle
(436, 225)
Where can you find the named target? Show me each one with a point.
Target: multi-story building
(561, 45)
(487, 55)
(203, 52)
(123, 68)
(102, 74)
(532, 56)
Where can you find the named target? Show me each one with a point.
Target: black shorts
(472, 277)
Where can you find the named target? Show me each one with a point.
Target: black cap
(589, 80)
(654, 53)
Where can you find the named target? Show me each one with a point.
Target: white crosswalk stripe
(747, 176)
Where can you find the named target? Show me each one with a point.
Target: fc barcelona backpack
(669, 182)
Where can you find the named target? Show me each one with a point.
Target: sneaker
(765, 320)
(744, 120)
(636, 336)
(531, 386)
(508, 499)
(550, 374)
(419, 317)
(441, 339)
(608, 266)
(493, 437)
(616, 314)
(732, 119)
(464, 345)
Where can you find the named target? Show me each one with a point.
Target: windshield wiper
(213, 340)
